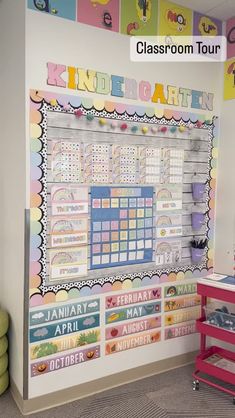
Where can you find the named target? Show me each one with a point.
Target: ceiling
(222, 9)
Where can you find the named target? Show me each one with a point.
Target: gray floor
(168, 395)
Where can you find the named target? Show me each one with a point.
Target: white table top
(219, 280)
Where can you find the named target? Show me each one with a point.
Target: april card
(100, 13)
(139, 17)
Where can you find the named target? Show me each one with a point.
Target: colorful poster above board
(59, 8)
(139, 17)
(206, 26)
(229, 79)
(103, 14)
(174, 20)
(230, 34)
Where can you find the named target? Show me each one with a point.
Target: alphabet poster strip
(45, 349)
(64, 311)
(229, 79)
(100, 13)
(132, 297)
(180, 331)
(139, 17)
(62, 328)
(67, 360)
(133, 342)
(182, 316)
(206, 26)
(132, 312)
(132, 327)
(230, 33)
(179, 290)
(181, 303)
(59, 8)
(174, 20)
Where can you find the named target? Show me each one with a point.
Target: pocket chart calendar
(116, 199)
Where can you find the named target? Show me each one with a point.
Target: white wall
(12, 163)
(225, 213)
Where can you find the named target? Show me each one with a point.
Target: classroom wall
(13, 174)
(82, 46)
(225, 218)
(224, 238)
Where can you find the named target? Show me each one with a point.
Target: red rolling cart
(219, 291)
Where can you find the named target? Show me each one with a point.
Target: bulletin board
(111, 195)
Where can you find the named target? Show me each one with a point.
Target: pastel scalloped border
(39, 97)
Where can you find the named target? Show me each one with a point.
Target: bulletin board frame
(40, 293)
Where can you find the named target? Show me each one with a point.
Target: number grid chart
(122, 226)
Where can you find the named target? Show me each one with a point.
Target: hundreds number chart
(66, 161)
(97, 163)
(150, 165)
(173, 160)
(121, 226)
(125, 164)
